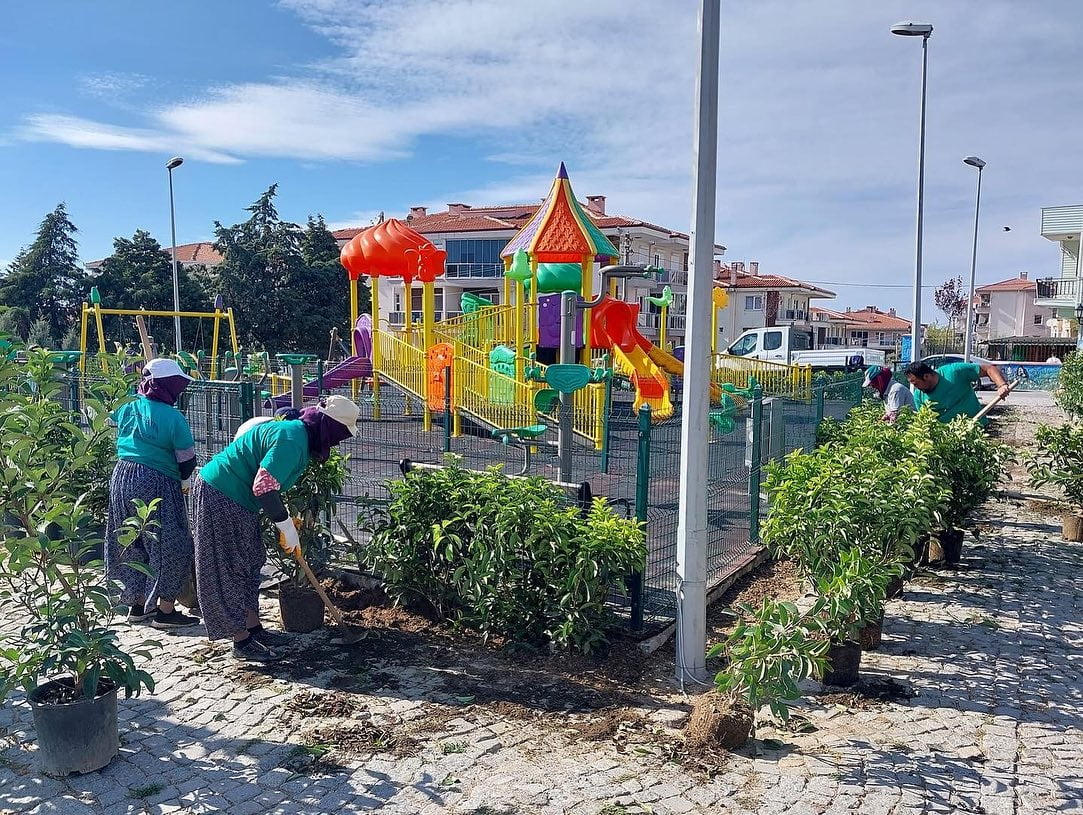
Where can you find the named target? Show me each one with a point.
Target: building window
(983, 300)
(859, 338)
(474, 251)
(1038, 319)
(753, 302)
(881, 338)
(684, 262)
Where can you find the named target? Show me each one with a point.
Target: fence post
(246, 398)
(319, 377)
(606, 408)
(643, 482)
(820, 391)
(754, 465)
(73, 393)
(447, 409)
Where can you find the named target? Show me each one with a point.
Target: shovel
(1000, 397)
(349, 637)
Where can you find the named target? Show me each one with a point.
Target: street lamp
(972, 161)
(170, 166)
(923, 30)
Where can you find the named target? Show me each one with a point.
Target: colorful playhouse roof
(560, 232)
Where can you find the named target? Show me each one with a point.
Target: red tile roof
(1014, 284)
(870, 317)
(511, 217)
(765, 281)
(187, 253)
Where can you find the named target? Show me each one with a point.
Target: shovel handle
(999, 398)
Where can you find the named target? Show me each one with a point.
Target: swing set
(94, 311)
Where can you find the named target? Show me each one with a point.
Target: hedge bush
(506, 557)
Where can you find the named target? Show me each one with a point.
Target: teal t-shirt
(954, 393)
(281, 448)
(151, 433)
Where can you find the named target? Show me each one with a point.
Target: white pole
(915, 330)
(968, 343)
(692, 512)
(176, 279)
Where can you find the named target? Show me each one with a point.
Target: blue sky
(357, 107)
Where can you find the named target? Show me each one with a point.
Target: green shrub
(312, 501)
(852, 591)
(49, 526)
(1069, 392)
(770, 651)
(507, 557)
(1059, 460)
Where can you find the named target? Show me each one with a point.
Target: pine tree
(45, 279)
(139, 274)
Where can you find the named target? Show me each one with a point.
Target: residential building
(758, 300)
(1009, 309)
(869, 327)
(188, 254)
(473, 237)
(1063, 292)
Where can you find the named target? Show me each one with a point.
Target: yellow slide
(651, 385)
(674, 367)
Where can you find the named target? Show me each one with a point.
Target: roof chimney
(739, 266)
(417, 212)
(1022, 275)
(891, 312)
(457, 209)
(754, 267)
(873, 309)
(596, 204)
(733, 274)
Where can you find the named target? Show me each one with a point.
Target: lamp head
(912, 29)
(174, 162)
(974, 161)
(1079, 311)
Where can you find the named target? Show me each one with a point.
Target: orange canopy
(392, 249)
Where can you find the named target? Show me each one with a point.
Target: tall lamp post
(923, 30)
(968, 342)
(170, 166)
(1079, 328)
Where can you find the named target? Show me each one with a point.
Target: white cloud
(817, 126)
(111, 85)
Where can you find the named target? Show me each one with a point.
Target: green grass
(146, 791)
(450, 747)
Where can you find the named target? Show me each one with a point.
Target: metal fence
(638, 470)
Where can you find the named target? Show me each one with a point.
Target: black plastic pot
(871, 635)
(951, 543)
(895, 588)
(300, 607)
(78, 737)
(843, 662)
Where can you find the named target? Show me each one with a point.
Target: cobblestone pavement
(990, 656)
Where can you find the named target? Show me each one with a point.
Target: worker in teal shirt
(950, 390)
(246, 478)
(155, 457)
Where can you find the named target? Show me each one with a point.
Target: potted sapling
(771, 650)
(311, 503)
(1058, 461)
(60, 646)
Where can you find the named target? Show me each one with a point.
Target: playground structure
(486, 365)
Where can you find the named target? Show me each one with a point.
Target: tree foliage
(283, 281)
(139, 274)
(45, 280)
(950, 297)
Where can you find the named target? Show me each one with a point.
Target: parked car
(940, 360)
(790, 346)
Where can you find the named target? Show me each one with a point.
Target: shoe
(174, 619)
(139, 614)
(251, 650)
(270, 639)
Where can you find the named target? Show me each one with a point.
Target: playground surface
(972, 704)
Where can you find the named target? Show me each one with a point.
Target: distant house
(188, 254)
(1009, 309)
(869, 327)
(759, 300)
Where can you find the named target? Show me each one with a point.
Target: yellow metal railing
(775, 378)
(402, 363)
(495, 399)
(482, 328)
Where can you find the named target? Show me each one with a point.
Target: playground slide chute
(354, 367)
(674, 367)
(613, 326)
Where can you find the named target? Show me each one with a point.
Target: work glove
(186, 484)
(287, 536)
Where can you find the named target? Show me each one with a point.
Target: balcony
(1062, 223)
(1057, 292)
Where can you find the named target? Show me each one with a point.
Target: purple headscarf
(323, 433)
(164, 389)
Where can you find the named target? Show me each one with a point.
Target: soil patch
(1047, 508)
(605, 724)
(869, 693)
(360, 738)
